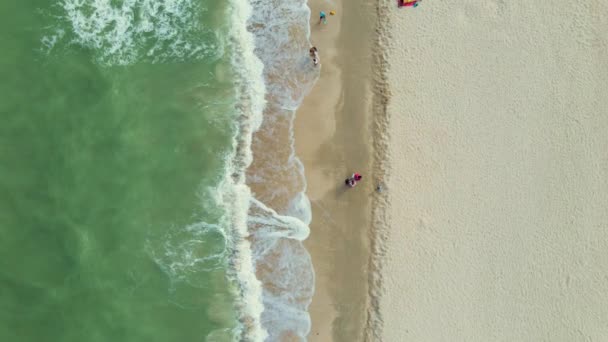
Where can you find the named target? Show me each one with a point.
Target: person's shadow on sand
(341, 188)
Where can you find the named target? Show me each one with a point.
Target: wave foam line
(282, 263)
(285, 269)
(250, 93)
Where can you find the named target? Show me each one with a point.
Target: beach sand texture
(332, 139)
(498, 189)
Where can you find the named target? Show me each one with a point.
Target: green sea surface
(109, 165)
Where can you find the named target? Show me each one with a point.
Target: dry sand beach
(487, 124)
(498, 186)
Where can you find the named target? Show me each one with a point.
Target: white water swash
(277, 289)
(280, 212)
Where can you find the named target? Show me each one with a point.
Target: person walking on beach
(314, 53)
(322, 18)
(351, 182)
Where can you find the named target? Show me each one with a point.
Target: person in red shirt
(352, 180)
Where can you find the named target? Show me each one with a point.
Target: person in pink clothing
(352, 180)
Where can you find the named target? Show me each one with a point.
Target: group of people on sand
(314, 53)
(352, 180)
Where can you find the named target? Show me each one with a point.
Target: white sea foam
(282, 264)
(121, 32)
(49, 42)
(251, 94)
(199, 247)
(284, 267)
(269, 223)
(275, 24)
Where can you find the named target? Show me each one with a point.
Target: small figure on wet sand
(314, 53)
(322, 18)
(352, 180)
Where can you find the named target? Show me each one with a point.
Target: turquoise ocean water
(149, 189)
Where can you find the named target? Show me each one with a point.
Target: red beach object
(408, 3)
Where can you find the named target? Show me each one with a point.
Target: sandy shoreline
(498, 226)
(332, 138)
